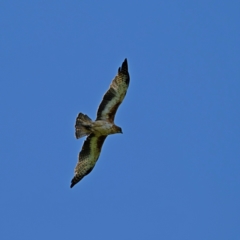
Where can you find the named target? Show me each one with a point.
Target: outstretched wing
(88, 157)
(115, 94)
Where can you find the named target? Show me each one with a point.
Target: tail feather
(82, 126)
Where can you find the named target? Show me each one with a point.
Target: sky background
(175, 172)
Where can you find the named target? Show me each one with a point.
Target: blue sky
(174, 173)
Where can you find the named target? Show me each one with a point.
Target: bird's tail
(83, 125)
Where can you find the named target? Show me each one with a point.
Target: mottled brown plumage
(98, 130)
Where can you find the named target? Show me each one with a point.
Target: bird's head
(117, 129)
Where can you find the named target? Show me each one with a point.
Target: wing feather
(115, 94)
(88, 157)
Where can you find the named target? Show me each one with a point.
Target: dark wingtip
(125, 64)
(73, 182)
(124, 67)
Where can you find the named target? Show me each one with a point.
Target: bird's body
(101, 127)
(98, 130)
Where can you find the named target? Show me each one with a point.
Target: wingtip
(73, 182)
(124, 67)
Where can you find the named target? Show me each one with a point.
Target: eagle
(98, 130)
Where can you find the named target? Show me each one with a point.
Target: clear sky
(174, 173)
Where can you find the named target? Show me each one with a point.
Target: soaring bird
(98, 130)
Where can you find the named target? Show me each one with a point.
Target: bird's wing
(115, 94)
(88, 157)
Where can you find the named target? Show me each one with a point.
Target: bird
(98, 130)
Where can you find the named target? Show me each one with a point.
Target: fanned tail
(83, 125)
